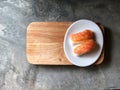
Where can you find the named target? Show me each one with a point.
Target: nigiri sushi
(81, 36)
(85, 47)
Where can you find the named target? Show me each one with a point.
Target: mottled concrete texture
(17, 74)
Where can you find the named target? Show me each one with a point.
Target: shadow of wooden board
(44, 44)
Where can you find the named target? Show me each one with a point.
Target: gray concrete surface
(17, 74)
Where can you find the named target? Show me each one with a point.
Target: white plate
(87, 59)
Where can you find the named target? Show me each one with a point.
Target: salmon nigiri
(85, 47)
(81, 36)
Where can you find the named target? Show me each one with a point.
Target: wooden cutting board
(45, 43)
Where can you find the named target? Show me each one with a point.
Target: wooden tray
(45, 43)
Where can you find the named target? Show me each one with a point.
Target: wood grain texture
(45, 43)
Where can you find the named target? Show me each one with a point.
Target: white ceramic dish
(87, 59)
